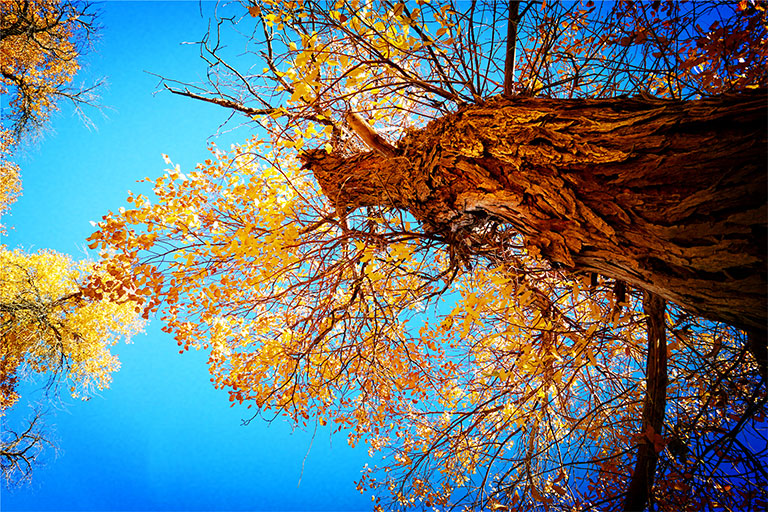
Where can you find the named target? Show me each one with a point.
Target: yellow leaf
(591, 356)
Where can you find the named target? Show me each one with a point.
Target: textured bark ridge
(668, 196)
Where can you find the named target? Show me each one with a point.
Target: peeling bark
(641, 485)
(668, 196)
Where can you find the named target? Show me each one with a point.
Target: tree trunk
(668, 196)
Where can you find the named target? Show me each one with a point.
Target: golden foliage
(48, 327)
(39, 52)
(10, 179)
(40, 44)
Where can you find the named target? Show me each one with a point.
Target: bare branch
(20, 452)
(222, 102)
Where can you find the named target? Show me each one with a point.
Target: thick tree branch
(641, 485)
(372, 139)
(509, 61)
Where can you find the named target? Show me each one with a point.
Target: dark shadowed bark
(667, 196)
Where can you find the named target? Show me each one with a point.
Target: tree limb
(640, 488)
(509, 61)
(221, 102)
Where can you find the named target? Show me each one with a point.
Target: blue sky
(161, 438)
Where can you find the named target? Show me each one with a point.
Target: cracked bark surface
(668, 196)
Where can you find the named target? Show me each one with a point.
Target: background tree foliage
(41, 42)
(48, 328)
(485, 376)
(47, 325)
(40, 45)
(19, 451)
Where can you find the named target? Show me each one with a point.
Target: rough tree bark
(668, 196)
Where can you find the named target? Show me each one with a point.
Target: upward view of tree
(518, 248)
(47, 325)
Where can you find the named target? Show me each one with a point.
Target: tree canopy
(490, 366)
(41, 42)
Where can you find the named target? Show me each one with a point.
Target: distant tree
(41, 42)
(10, 178)
(500, 242)
(47, 325)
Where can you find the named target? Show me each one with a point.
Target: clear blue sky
(161, 438)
